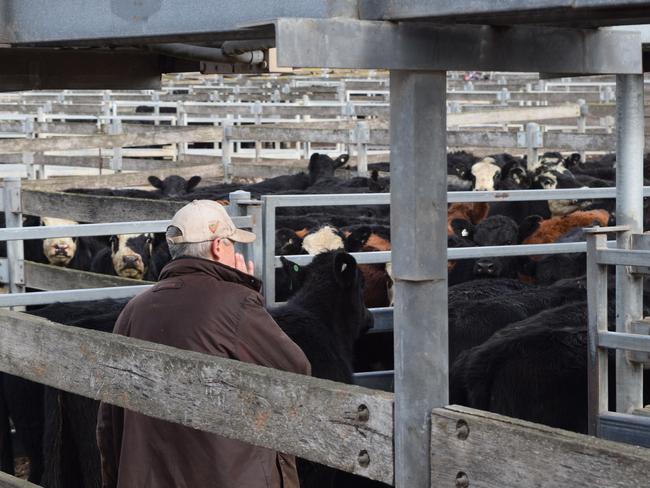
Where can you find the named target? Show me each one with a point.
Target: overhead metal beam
(585, 13)
(123, 21)
(345, 43)
(50, 69)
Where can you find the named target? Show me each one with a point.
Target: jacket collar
(188, 265)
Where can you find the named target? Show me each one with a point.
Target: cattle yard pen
(411, 438)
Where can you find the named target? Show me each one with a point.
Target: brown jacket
(207, 307)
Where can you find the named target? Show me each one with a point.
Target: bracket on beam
(345, 43)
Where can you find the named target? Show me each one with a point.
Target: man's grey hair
(190, 249)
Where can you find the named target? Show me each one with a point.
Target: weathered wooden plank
(47, 277)
(493, 451)
(153, 137)
(123, 179)
(91, 208)
(8, 481)
(519, 114)
(311, 418)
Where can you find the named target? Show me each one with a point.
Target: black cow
(174, 186)
(534, 369)
(132, 256)
(322, 166)
(459, 165)
(326, 317)
(496, 230)
(473, 321)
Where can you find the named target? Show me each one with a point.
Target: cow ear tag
(296, 268)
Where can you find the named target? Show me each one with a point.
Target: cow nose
(485, 267)
(130, 259)
(61, 247)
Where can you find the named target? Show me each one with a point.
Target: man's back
(202, 306)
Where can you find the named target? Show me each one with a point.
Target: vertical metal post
(257, 110)
(597, 306)
(418, 218)
(582, 123)
(181, 117)
(116, 160)
(629, 211)
(268, 210)
(306, 145)
(15, 250)
(533, 143)
(155, 97)
(226, 149)
(362, 136)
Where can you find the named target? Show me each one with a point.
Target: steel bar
(631, 429)
(418, 221)
(83, 230)
(473, 252)
(629, 211)
(623, 257)
(15, 250)
(47, 297)
(123, 22)
(624, 341)
(202, 53)
(303, 43)
(580, 12)
(597, 322)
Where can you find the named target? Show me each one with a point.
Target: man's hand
(240, 264)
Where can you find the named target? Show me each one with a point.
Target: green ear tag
(296, 268)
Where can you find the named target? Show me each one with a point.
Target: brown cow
(470, 212)
(541, 231)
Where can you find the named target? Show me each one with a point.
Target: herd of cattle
(517, 325)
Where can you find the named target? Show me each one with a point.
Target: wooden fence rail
(96, 209)
(346, 427)
(323, 421)
(484, 450)
(47, 277)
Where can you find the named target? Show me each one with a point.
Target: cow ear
(529, 225)
(112, 241)
(479, 212)
(313, 158)
(155, 182)
(345, 269)
(192, 182)
(341, 160)
(357, 238)
(294, 272)
(463, 228)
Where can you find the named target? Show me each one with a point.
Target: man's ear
(216, 248)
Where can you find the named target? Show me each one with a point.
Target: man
(207, 301)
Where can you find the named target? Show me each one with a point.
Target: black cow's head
(333, 283)
(496, 230)
(287, 242)
(459, 164)
(322, 166)
(174, 186)
(131, 254)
